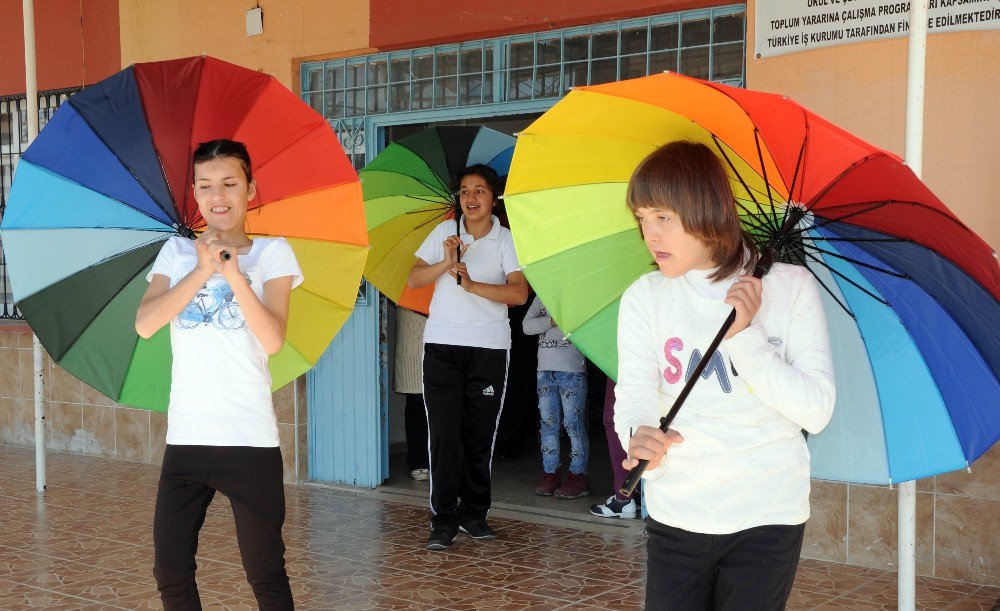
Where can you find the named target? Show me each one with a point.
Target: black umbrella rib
(855, 284)
(856, 261)
(763, 169)
(798, 166)
(840, 177)
(718, 145)
(755, 223)
(819, 238)
(827, 221)
(833, 296)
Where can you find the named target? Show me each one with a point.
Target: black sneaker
(441, 539)
(479, 532)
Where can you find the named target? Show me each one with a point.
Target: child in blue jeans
(562, 395)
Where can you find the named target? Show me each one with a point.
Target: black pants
(415, 416)
(752, 569)
(463, 393)
(189, 479)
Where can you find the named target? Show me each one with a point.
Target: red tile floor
(86, 544)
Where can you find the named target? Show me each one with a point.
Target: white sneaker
(420, 474)
(613, 508)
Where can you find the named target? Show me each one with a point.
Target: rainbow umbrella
(108, 181)
(911, 294)
(408, 192)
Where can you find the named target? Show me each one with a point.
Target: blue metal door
(348, 436)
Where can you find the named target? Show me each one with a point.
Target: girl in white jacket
(727, 488)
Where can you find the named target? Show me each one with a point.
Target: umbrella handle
(763, 265)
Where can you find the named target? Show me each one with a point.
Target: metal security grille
(541, 67)
(13, 141)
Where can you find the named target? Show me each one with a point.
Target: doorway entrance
(517, 458)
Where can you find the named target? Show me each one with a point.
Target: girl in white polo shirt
(466, 352)
(226, 315)
(727, 487)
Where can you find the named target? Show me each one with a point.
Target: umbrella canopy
(408, 191)
(911, 294)
(108, 181)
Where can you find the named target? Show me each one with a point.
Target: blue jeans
(570, 390)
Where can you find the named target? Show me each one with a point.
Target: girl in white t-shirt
(727, 487)
(225, 298)
(466, 351)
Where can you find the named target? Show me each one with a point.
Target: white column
(31, 91)
(907, 495)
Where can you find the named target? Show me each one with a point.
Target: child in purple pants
(616, 506)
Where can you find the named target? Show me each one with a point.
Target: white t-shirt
(457, 317)
(744, 461)
(220, 389)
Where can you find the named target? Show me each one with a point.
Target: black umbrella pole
(636, 473)
(458, 253)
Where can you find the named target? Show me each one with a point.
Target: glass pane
(400, 69)
(633, 66)
(662, 61)
(694, 62)
(634, 41)
(727, 61)
(399, 97)
(547, 82)
(522, 54)
(423, 93)
(423, 66)
(728, 28)
(574, 75)
(470, 89)
(447, 63)
(576, 48)
(605, 44)
(520, 85)
(335, 77)
(488, 88)
(488, 59)
(547, 51)
(472, 60)
(603, 71)
(377, 100)
(664, 36)
(377, 73)
(446, 92)
(334, 101)
(315, 100)
(695, 32)
(354, 103)
(355, 75)
(313, 80)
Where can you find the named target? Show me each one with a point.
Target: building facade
(378, 68)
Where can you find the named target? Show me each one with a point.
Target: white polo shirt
(459, 318)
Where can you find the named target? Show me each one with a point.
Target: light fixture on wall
(255, 21)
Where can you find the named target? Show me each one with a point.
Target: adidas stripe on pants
(463, 394)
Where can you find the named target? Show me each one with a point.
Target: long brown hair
(689, 180)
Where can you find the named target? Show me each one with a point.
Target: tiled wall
(78, 419)
(958, 536)
(958, 533)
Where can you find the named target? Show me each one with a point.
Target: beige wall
(80, 420)
(168, 29)
(862, 88)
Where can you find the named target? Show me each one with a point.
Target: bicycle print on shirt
(213, 304)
